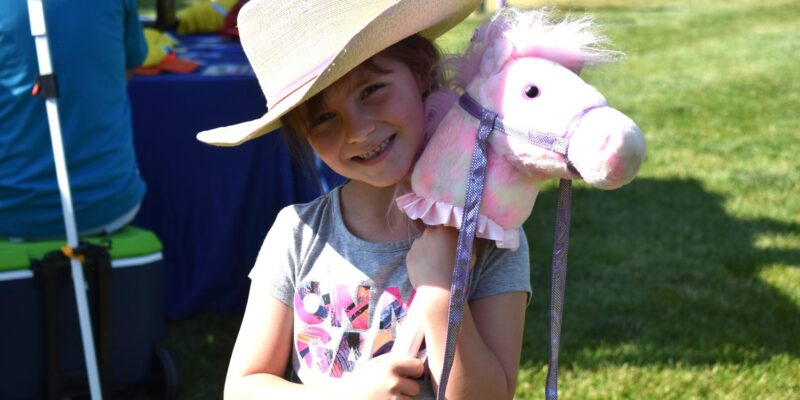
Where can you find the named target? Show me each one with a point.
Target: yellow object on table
(161, 57)
(204, 16)
(158, 45)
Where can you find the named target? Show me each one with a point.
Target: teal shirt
(92, 44)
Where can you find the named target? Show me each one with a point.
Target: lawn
(684, 284)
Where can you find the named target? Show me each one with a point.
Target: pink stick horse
(522, 66)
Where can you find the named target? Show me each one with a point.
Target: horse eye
(531, 91)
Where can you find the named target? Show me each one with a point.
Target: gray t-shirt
(349, 295)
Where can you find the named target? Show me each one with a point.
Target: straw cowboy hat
(298, 48)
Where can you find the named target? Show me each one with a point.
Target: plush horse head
(523, 67)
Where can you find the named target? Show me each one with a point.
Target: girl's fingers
(410, 367)
(407, 387)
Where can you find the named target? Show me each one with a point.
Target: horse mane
(571, 42)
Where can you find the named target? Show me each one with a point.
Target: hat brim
(365, 42)
(234, 135)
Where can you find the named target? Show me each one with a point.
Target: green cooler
(134, 318)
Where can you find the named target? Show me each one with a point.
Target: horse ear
(496, 56)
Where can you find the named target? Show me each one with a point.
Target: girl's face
(371, 124)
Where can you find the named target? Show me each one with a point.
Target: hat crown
(289, 43)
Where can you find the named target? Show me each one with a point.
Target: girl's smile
(370, 125)
(376, 154)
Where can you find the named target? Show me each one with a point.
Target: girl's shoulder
(499, 270)
(489, 249)
(313, 213)
(298, 228)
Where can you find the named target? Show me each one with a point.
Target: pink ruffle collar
(433, 212)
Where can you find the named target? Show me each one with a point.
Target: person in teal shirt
(93, 44)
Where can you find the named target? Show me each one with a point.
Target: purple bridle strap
(558, 280)
(489, 122)
(466, 237)
(535, 137)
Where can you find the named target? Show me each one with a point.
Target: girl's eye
(531, 91)
(322, 118)
(371, 89)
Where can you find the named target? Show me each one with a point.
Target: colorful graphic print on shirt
(333, 331)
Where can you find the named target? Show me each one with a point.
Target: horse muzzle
(606, 148)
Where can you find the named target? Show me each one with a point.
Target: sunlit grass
(775, 379)
(685, 284)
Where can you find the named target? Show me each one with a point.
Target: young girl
(334, 276)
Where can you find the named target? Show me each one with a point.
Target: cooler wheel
(166, 376)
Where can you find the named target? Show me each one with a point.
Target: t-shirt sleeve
(135, 44)
(277, 260)
(502, 270)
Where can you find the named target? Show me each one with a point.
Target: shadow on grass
(660, 274)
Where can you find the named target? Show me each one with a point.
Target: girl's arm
(261, 355)
(488, 347)
(261, 352)
(489, 343)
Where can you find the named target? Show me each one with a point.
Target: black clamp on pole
(46, 85)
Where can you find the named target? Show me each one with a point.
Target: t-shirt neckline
(344, 232)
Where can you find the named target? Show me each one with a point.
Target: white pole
(39, 32)
(408, 337)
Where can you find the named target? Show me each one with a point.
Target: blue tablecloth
(210, 206)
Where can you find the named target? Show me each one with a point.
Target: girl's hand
(432, 256)
(388, 376)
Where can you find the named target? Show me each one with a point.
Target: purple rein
(490, 122)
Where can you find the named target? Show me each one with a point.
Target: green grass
(684, 284)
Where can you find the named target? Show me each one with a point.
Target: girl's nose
(358, 127)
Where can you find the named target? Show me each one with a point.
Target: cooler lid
(127, 242)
